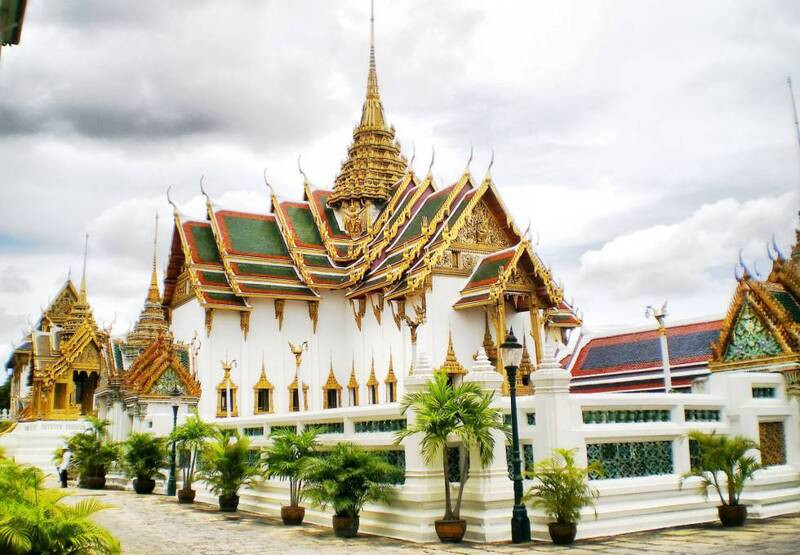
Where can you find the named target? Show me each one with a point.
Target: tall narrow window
(332, 399)
(263, 400)
(390, 396)
(295, 400)
(373, 395)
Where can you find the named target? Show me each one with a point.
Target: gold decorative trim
(358, 312)
(209, 320)
(244, 322)
(280, 304)
(451, 366)
(313, 314)
(377, 308)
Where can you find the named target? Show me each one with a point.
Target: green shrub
(34, 520)
(143, 456)
(226, 463)
(723, 456)
(347, 477)
(287, 457)
(93, 452)
(562, 489)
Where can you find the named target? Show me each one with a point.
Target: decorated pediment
(758, 328)
(168, 382)
(750, 338)
(158, 370)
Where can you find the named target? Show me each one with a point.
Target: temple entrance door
(85, 386)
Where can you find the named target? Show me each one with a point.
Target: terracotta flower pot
(345, 526)
(92, 482)
(732, 515)
(143, 486)
(450, 531)
(562, 533)
(228, 504)
(186, 495)
(293, 516)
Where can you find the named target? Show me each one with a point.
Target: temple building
(761, 329)
(343, 284)
(630, 360)
(57, 368)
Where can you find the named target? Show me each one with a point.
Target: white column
(424, 486)
(554, 412)
(488, 495)
(662, 332)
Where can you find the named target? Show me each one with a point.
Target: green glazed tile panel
(702, 415)
(289, 427)
(327, 427)
(376, 426)
(255, 236)
(428, 210)
(304, 225)
(204, 242)
(526, 464)
(490, 268)
(397, 458)
(789, 303)
(255, 431)
(625, 416)
(631, 459)
(268, 270)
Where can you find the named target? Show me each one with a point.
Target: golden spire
(153, 295)
(451, 364)
(82, 297)
(374, 162)
(353, 383)
(372, 379)
(390, 377)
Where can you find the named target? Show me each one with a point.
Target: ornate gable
(754, 331)
(159, 369)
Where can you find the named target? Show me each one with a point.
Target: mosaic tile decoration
(626, 416)
(764, 393)
(376, 426)
(327, 427)
(631, 459)
(397, 458)
(702, 415)
(773, 443)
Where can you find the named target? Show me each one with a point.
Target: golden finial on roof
(372, 379)
(153, 295)
(332, 382)
(390, 377)
(353, 383)
(82, 297)
(451, 364)
(525, 366)
(263, 382)
(374, 162)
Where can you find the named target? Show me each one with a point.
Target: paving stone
(155, 524)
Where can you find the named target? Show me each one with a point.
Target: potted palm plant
(285, 460)
(93, 453)
(723, 456)
(226, 467)
(463, 412)
(562, 490)
(346, 478)
(143, 457)
(190, 437)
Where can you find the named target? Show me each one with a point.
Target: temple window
(352, 396)
(263, 393)
(227, 390)
(331, 391)
(263, 400)
(391, 382)
(295, 400)
(373, 394)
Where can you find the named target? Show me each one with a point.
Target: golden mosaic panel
(773, 443)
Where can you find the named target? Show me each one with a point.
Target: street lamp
(175, 395)
(511, 353)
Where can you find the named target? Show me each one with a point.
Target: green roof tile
(267, 270)
(789, 303)
(202, 238)
(428, 210)
(304, 225)
(256, 236)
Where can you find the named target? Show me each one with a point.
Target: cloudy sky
(646, 141)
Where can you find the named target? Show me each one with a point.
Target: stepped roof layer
(377, 229)
(631, 360)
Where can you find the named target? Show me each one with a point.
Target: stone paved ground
(155, 524)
